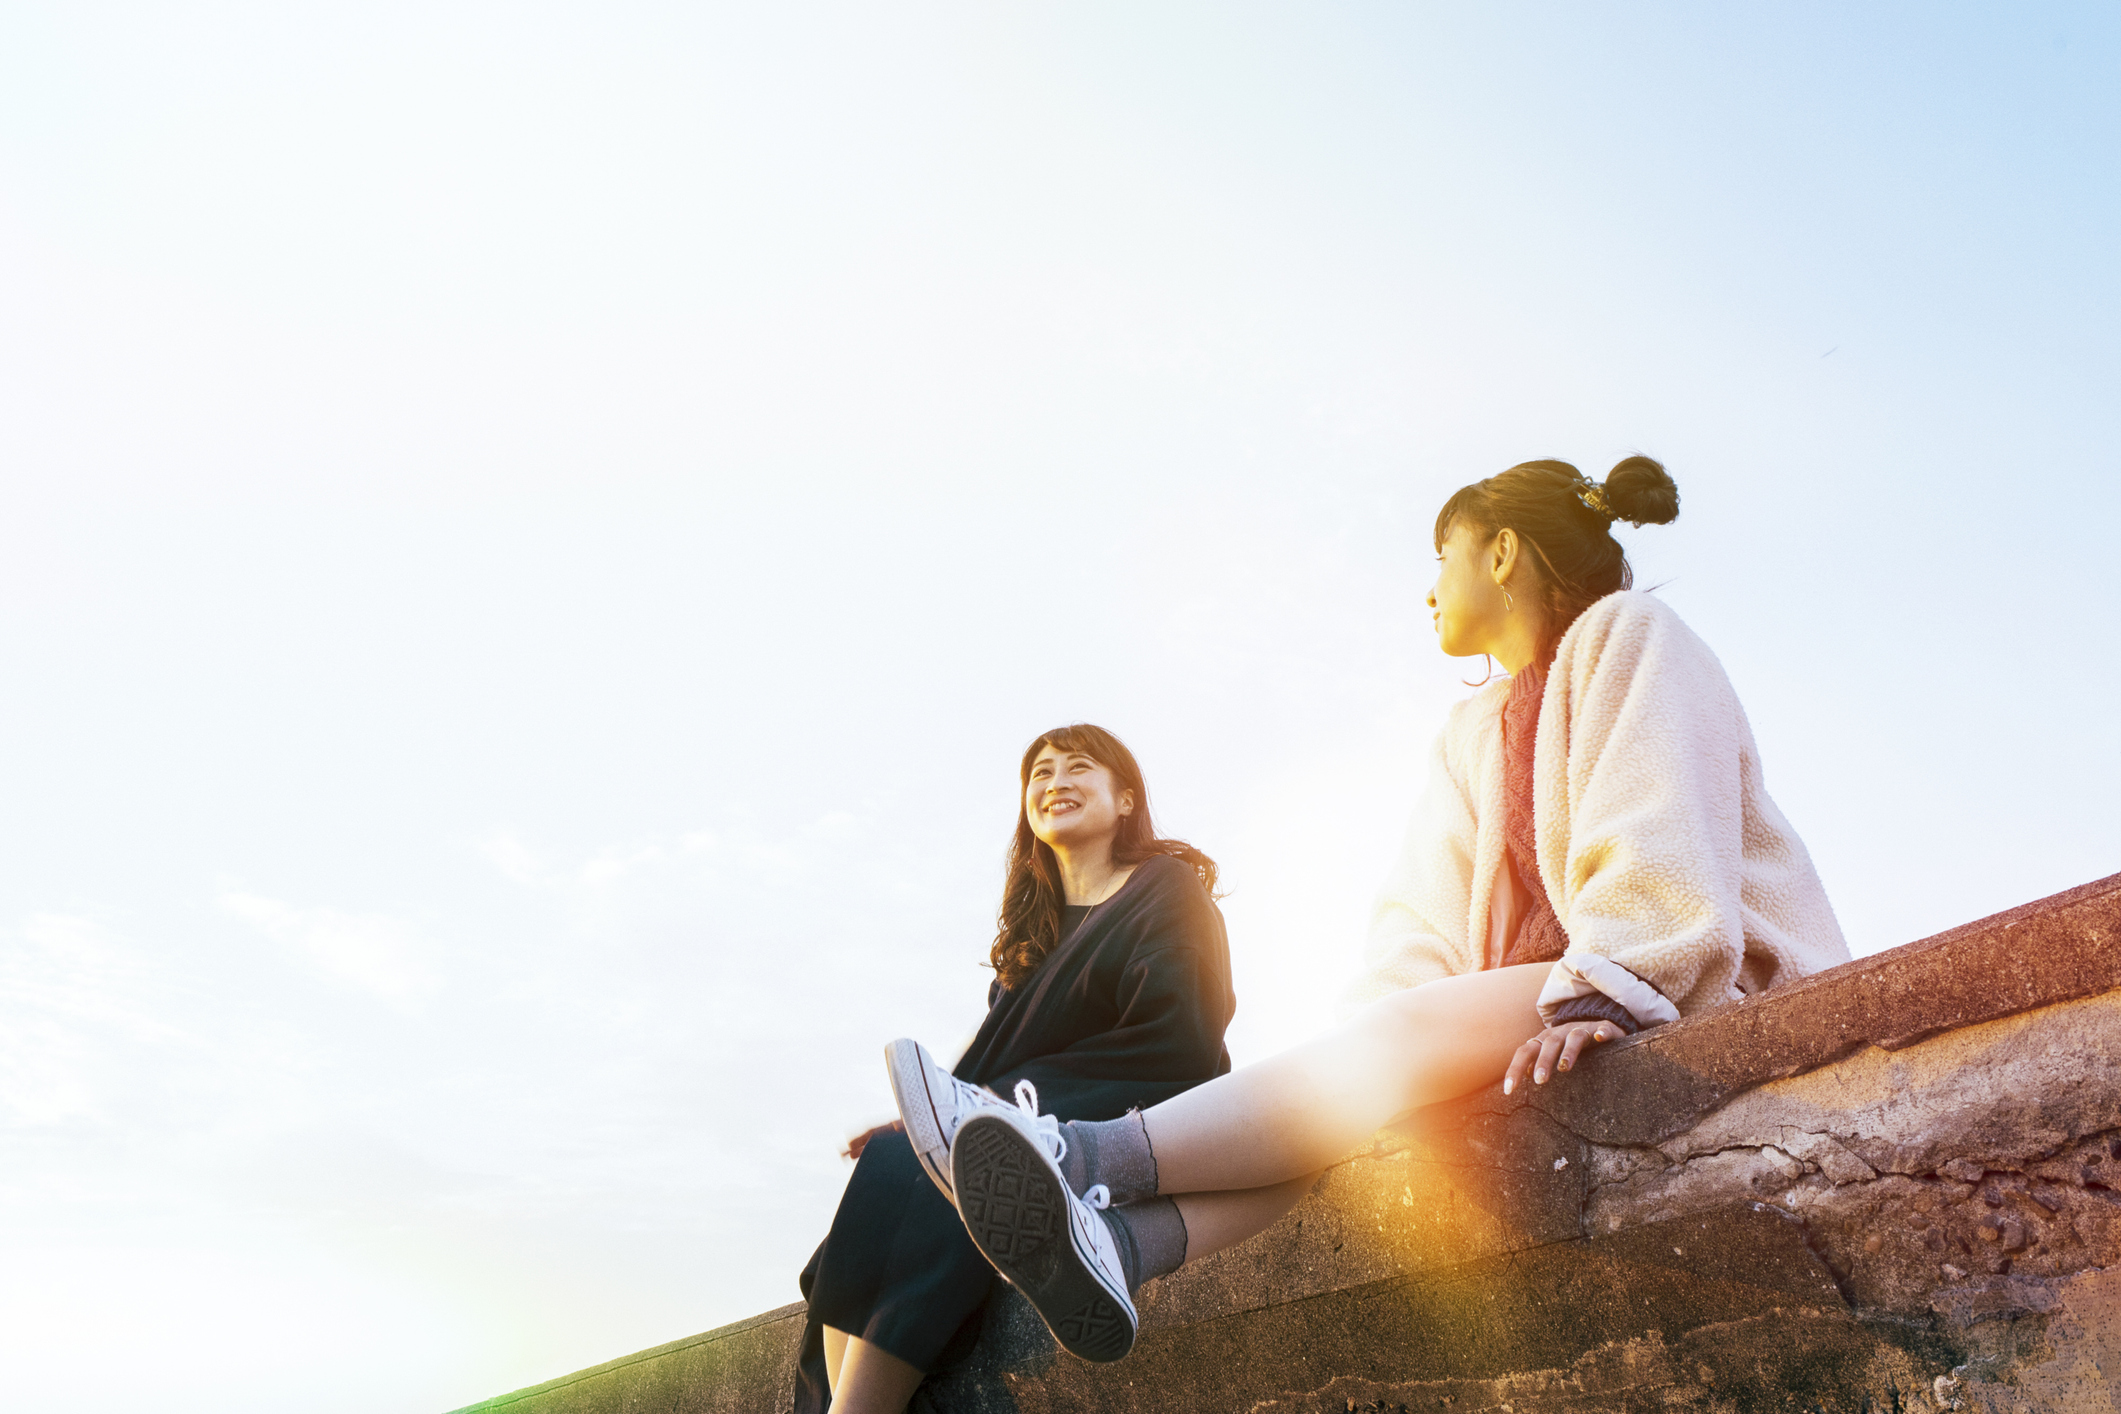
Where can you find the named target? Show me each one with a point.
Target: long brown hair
(1031, 894)
(1565, 519)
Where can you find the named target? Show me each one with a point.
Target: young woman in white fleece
(1595, 853)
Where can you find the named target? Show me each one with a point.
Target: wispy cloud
(58, 986)
(520, 864)
(379, 954)
(737, 852)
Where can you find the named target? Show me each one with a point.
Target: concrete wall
(738, 1369)
(1892, 1186)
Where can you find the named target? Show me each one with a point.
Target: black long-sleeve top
(1129, 1010)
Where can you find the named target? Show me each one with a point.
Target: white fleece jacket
(1677, 880)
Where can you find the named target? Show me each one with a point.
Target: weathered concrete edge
(1663, 1081)
(1419, 1325)
(734, 1328)
(2052, 950)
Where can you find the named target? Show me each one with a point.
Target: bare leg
(835, 1354)
(1310, 1106)
(864, 1379)
(1218, 1220)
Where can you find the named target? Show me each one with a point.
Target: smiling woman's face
(1072, 801)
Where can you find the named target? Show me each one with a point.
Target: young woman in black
(1111, 992)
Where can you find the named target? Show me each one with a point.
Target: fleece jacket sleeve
(1640, 814)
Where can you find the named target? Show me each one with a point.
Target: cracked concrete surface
(1990, 1150)
(1895, 1186)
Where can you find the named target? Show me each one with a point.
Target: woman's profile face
(1073, 801)
(1468, 604)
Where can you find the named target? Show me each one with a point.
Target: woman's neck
(1089, 876)
(1523, 642)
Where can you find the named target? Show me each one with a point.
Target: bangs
(1465, 501)
(1082, 738)
(1076, 739)
(1070, 739)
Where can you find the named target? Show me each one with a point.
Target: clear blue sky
(534, 535)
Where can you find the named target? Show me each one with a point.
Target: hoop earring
(1508, 604)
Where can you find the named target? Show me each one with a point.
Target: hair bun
(1641, 493)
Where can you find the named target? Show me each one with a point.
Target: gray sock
(1151, 1237)
(1114, 1152)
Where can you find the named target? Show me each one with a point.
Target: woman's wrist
(1595, 1008)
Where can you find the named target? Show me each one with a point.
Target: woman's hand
(1566, 1040)
(861, 1141)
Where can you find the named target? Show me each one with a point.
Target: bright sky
(534, 536)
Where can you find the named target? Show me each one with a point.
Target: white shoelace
(1047, 1126)
(1097, 1195)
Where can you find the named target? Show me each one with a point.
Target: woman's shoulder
(1631, 633)
(1627, 616)
(1624, 608)
(1164, 893)
(1166, 876)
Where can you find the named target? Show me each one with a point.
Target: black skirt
(897, 1269)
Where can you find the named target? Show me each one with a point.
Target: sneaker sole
(916, 1110)
(1017, 1214)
